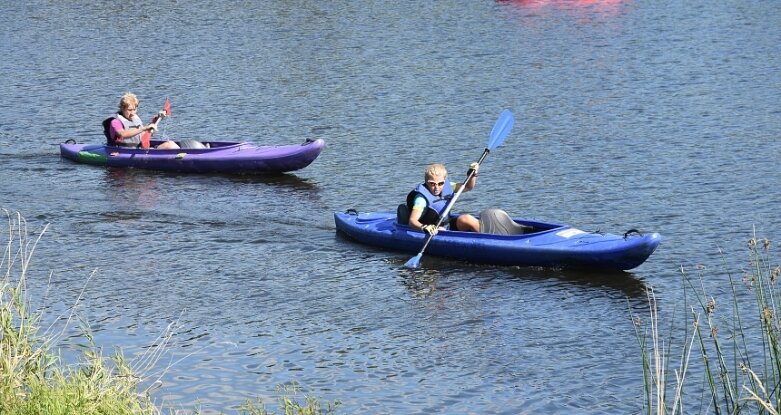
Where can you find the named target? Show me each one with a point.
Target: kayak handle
(632, 231)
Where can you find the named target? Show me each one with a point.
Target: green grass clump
(288, 405)
(35, 381)
(728, 364)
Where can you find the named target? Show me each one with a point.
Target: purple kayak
(199, 157)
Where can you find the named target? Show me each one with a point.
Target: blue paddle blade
(501, 129)
(414, 262)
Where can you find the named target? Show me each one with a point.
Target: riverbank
(35, 380)
(722, 353)
(731, 360)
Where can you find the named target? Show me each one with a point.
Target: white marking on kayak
(569, 233)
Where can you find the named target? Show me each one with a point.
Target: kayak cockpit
(492, 221)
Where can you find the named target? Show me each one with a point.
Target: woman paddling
(125, 128)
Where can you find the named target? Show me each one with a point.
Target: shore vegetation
(34, 380)
(721, 355)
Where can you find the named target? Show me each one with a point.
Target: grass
(34, 380)
(726, 363)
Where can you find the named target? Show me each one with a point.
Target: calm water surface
(664, 116)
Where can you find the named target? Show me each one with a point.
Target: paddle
(146, 136)
(500, 131)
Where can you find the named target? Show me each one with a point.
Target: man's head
(435, 177)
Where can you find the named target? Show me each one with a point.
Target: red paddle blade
(145, 137)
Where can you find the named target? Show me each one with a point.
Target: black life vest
(435, 205)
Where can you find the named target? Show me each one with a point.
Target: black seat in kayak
(402, 214)
(498, 222)
(107, 130)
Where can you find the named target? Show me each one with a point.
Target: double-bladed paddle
(500, 131)
(146, 135)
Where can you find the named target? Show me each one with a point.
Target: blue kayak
(515, 241)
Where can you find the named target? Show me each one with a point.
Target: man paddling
(429, 199)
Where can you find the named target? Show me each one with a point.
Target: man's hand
(430, 229)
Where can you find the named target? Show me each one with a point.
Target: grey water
(663, 116)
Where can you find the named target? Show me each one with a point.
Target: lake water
(663, 116)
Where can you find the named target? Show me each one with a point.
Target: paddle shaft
(146, 135)
(166, 109)
(449, 206)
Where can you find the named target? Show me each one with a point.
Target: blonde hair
(128, 100)
(435, 169)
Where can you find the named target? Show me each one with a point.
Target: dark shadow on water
(420, 281)
(626, 283)
(123, 177)
(139, 192)
(622, 281)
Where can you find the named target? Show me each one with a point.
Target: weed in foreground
(34, 380)
(739, 359)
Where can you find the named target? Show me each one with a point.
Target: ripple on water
(618, 126)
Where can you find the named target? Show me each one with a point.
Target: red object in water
(601, 6)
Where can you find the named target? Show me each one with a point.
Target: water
(662, 116)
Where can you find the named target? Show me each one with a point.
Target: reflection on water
(135, 177)
(626, 283)
(420, 283)
(130, 189)
(423, 282)
(605, 7)
(288, 180)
